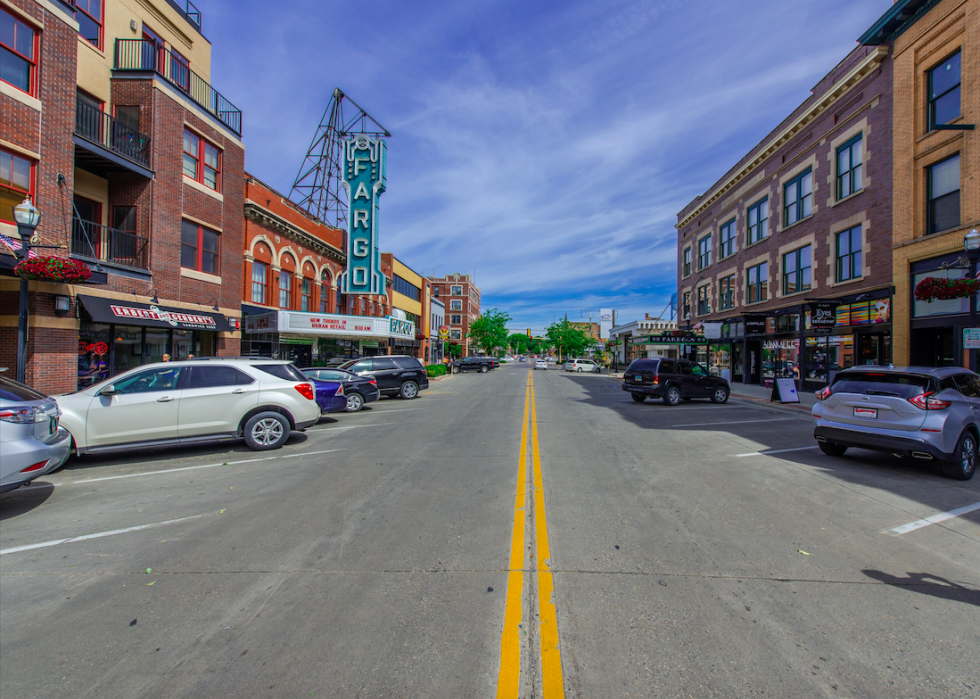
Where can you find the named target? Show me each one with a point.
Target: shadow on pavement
(19, 501)
(928, 584)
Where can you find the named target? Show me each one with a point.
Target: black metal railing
(190, 11)
(92, 124)
(144, 54)
(98, 242)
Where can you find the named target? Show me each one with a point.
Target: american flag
(15, 245)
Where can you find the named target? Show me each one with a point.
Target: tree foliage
(454, 350)
(567, 339)
(489, 331)
(518, 343)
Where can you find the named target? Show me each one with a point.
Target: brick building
(136, 165)
(292, 264)
(785, 262)
(462, 298)
(935, 47)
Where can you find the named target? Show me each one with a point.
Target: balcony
(188, 11)
(103, 144)
(144, 55)
(93, 241)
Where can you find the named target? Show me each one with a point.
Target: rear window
(283, 371)
(644, 365)
(883, 384)
(9, 390)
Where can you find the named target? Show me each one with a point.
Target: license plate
(638, 378)
(866, 413)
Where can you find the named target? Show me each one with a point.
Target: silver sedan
(31, 441)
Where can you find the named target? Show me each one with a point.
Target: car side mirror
(109, 390)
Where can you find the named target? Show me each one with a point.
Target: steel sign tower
(363, 181)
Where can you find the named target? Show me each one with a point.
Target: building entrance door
(933, 347)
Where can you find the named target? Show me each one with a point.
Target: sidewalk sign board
(784, 390)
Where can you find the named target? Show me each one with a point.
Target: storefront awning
(103, 310)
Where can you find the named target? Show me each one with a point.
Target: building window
(798, 198)
(455, 305)
(704, 252)
(128, 116)
(324, 292)
(455, 334)
(306, 295)
(726, 293)
(849, 162)
(796, 270)
(456, 319)
(758, 215)
(16, 183)
(406, 288)
(704, 301)
(758, 283)
(260, 282)
(944, 91)
(943, 195)
(687, 262)
(849, 254)
(686, 306)
(18, 53)
(198, 248)
(727, 236)
(285, 289)
(202, 161)
(456, 291)
(435, 291)
(89, 18)
(124, 218)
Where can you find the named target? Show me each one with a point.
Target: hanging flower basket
(53, 269)
(933, 288)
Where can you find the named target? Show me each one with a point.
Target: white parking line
(191, 468)
(735, 422)
(773, 451)
(99, 535)
(935, 519)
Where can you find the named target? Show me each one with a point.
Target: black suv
(480, 364)
(397, 374)
(673, 380)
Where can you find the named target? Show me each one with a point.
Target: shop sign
(669, 340)
(370, 343)
(325, 324)
(712, 330)
(443, 332)
(293, 340)
(755, 325)
(823, 314)
(364, 179)
(401, 328)
(780, 344)
(174, 319)
(971, 338)
(261, 323)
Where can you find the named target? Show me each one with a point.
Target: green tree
(454, 350)
(489, 331)
(567, 339)
(518, 342)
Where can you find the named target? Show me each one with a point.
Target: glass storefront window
(93, 353)
(825, 356)
(157, 342)
(127, 351)
(720, 361)
(183, 345)
(780, 359)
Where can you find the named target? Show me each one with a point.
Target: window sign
(364, 180)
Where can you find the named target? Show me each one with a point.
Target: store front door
(933, 347)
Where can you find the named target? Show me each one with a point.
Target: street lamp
(27, 217)
(971, 243)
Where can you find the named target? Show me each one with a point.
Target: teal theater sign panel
(364, 180)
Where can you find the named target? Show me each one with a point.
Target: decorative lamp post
(27, 217)
(971, 243)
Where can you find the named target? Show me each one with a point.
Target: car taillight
(656, 380)
(373, 382)
(924, 402)
(305, 390)
(823, 393)
(340, 390)
(35, 467)
(19, 413)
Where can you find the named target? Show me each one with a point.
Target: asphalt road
(404, 552)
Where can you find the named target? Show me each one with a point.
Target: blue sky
(545, 145)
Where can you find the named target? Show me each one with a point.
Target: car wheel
(266, 431)
(832, 448)
(720, 395)
(409, 390)
(638, 397)
(483, 369)
(580, 370)
(355, 401)
(672, 396)
(964, 464)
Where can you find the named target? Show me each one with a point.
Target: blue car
(330, 396)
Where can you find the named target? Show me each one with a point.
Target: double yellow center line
(508, 682)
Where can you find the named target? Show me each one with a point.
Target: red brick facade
(465, 305)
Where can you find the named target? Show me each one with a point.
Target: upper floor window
(198, 247)
(435, 291)
(686, 306)
(849, 167)
(943, 195)
(286, 289)
(704, 300)
(944, 91)
(797, 267)
(16, 183)
(456, 320)
(455, 334)
(757, 286)
(406, 288)
(727, 240)
(687, 262)
(260, 282)
(758, 215)
(726, 293)
(798, 198)
(848, 254)
(456, 305)
(456, 291)
(202, 161)
(18, 53)
(89, 18)
(324, 292)
(704, 252)
(306, 296)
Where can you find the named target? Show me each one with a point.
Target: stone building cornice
(264, 217)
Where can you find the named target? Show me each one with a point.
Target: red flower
(932, 288)
(53, 269)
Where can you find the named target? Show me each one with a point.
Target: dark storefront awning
(103, 310)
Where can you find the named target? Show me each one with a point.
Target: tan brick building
(935, 47)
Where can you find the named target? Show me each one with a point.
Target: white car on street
(541, 364)
(580, 365)
(197, 401)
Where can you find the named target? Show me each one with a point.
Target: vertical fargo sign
(364, 180)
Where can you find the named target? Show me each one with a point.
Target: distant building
(643, 339)
(408, 295)
(462, 299)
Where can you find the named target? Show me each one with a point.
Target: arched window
(324, 292)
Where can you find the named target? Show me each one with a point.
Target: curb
(791, 407)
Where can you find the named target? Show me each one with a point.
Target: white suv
(258, 400)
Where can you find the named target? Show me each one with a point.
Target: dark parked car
(397, 375)
(673, 380)
(357, 389)
(480, 364)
